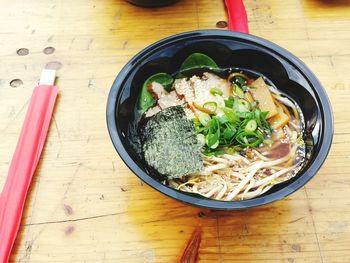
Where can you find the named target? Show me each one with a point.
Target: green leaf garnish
(198, 60)
(146, 99)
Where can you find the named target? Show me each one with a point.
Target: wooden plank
(86, 206)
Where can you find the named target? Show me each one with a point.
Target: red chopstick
(237, 16)
(25, 160)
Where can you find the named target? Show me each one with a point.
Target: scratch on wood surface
(28, 250)
(245, 230)
(147, 255)
(124, 188)
(331, 61)
(16, 116)
(73, 220)
(58, 153)
(93, 85)
(338, 227)
(313, 224)
(197, 15)
(89, 44)
(296, 220)
(11, 112)
(218, 236)
(125, 44)
(69, 184)
(29, 244)
(71, 43)
(57, 128)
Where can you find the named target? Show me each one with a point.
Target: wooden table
(85, 205)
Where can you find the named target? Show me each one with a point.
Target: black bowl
(152, 3)
(228, 49)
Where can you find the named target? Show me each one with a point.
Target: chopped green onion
(202, 129)
(221, 120)
(231, 115)
(229, 102)
(214, 126)
(220, 101)
(232, 150)
(212, 141)
(251, 126)
(229, 132)
(268, 142)
(196, 121)
(210, 106)
(201, 139)
(216, 91)
(233, 123)
(211, 152)
(251, 139)
(204, 118)
(264, 121)
(242, 105)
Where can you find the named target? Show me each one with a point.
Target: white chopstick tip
(47, 77)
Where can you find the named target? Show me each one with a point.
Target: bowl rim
(309, 173)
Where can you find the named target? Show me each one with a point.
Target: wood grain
(86, 206)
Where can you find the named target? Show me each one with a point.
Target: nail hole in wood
(22, 51)
(16, 83)
(49, 50)
(221, 24)
(68, 210)
(201, 214)
(56, 65)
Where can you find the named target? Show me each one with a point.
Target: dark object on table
(190, 254)
(238, 51)
(152, 3)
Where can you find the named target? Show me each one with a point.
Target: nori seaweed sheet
(170, 145)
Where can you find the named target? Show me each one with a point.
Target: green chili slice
(210, 106)
(215, 91)
(251, 126)
(204, 118)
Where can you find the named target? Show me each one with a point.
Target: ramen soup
(221, 134)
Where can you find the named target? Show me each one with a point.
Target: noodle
(240, 186)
